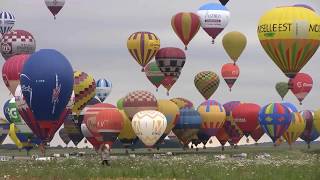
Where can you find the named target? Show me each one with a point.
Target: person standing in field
(105, 154)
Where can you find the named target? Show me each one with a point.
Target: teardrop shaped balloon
(127, 136)
(290, 36)
(207, 82)
(103, 89)
(143, 46)
(230, 73)
(301, 85)
(310, 133)
(4, 129)
(186, 25)
(7, 21)
(64, 136)
(282, 88)
(234, 43)
(54, 6)
(149, 126)
(154, 74)
(257, 134)
(295, 129)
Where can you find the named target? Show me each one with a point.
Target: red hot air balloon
(230, 73)
(257, 134)
(301, 86)
(246, 116)
(11, 71)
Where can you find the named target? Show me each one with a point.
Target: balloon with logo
(139, 101)
(231, 128)
(154, 74)
(290, 36)
(316, 120)
(54, 6)
(282, 88)
(149, 125)
(17, 42)
(7, 21)
(127, 136)
(170, 60)
(207, 82)
(182, 103)
(64, 136)
(143, 46)
(234, 43)
(257, 134)
(186, 25)
(222, 137)
(46, 85)
(103, 89)
(301, 86)
(214, 18)
(230, 73)
(296, 128)
(11, 71)
(310, 133)
(4, 129)
(275, 119)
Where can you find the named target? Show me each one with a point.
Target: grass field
(299, 163)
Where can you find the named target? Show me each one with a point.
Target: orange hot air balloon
(230, 73)
(186, 25)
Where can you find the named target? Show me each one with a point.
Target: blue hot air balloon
(103, 89)
(46, 84)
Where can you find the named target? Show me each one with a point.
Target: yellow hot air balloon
(171, 111)
(290, 36)
(295, 129)
(13, 136)
(234, 44)
(143, 46)
(127, 135)
(316, 120)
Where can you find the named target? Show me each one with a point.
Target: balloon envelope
(230, 73)
(64, 136)
(7, 21)
(207, 82)
(310, 133)
(54, 6)
(231, 128)
(234, 43)
(297, 126)
(301, 85)
(282, 88)
(103, 89)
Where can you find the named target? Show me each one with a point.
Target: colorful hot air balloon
(127, 136)
(231, 128)
(186, 25)
(84, 90)
(207, 82)
(46, 84)
(234, 43)
(214, 18)
(275, 119)
(4, 129)
(182, 103)
(222, 137)
(73, 129)
(282, 88)
(290, 36)
(257, 134)
(301, 86)
(7, 21)
(246, 116)
(295, 129)
(149, 126)
(230, 73)
(138, 101)
(103, 89)
(170, 61)
(154, 74)
(11, 71)
(89, 136)
(213, 117)
(143, 46)
(316, 120)
(64, 136)
(224, 2)
(310, 133)
(17, 42)
(54, 6)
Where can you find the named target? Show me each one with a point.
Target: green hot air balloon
(282, 89)
(154, 74)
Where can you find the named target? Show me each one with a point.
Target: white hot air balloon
(7, 21)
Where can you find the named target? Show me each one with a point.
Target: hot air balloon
(310, 133)
(301, 86)
(257, 134)
(222, 137)
(138, 101)
(282, 88)
(84, 90)
(4, 129)
(275, 119)
(207, 82)
(316, 120)
(182, 103)
(64, 136)
(214, 18)
(120, 103)
(17, 42)
(73, 129)
(7, 21)
(154, 74)
(290, 36)
(246, 116)
(103, 89)
(143, 46)
(170, 61)
(149, 126)
(234, 43)
(224, 2)
(230, 73)
(127, 136)
(11, 71)
(46, 84)
(90, 137)
(186, 25)
(295, 129)
(54, 6)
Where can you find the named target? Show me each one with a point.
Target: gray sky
(93, 34)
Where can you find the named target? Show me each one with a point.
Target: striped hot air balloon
(103, 89)
(207, 82)
(7, 21)
(54, 6)
(296, 128)
(154, 74)
(143, 46)
(230, 73)
(186, 25)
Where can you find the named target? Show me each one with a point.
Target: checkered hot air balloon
(310, 133)
(54, 6)
(154, 74)
(4, 129)
(17, 42)
(103, 89)
(207, 82)
(230, 73)
(7, 21)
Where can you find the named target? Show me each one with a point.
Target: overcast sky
(93, 35)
